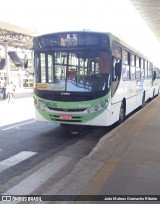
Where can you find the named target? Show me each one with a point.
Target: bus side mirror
(154, 75)
(25, 63)
(118, 69)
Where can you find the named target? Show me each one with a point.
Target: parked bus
(89, 78)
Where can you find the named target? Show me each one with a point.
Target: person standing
(9, 92)
(4, 89)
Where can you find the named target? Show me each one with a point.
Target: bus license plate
(65, 117)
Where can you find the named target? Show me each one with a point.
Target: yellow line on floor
(144, 117)
(104, 173)
(99, 179)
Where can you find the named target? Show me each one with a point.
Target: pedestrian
(9, 91)
(4, 89)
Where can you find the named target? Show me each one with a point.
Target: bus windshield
(78, 71)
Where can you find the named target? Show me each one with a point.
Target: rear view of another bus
(72, 78)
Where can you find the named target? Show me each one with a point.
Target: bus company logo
(65, 94)
(65, 108)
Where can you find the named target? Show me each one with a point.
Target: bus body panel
(72, 112)
(156, 87)
(106, 118)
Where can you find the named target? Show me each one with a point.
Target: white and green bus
(89, 78)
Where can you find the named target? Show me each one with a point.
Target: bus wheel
(122, 113)
(143, 101)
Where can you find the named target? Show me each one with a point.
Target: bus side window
(146, 69)
(104, 63)
(116, 62)
(118, 70)
(142, 68)
(125, 66)
(132, 66)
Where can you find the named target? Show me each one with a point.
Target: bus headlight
(90, 110)
(104, 103)
(97, 108)
(35, 101)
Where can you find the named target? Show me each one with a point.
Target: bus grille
(68, 110)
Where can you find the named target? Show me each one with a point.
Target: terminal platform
(125, 162)
(130, 156)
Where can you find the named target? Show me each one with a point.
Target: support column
(21, 77)
(7, 63)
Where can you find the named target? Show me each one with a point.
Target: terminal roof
(15, 36)
(149, 11)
